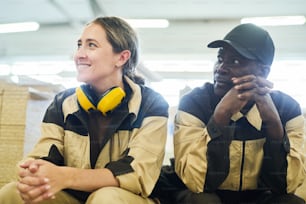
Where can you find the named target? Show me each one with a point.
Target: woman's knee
(9, 194)
(105, 195)
(116, 195)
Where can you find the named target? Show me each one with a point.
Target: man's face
(231, 64)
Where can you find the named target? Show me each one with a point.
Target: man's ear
(124, 56)
(264, 70)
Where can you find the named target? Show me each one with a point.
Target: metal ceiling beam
(96, 8)
(74, 23)
(185, 75)
(148, 74)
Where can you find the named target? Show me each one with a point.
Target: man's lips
(223, 81)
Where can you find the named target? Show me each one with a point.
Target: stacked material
(13, 106)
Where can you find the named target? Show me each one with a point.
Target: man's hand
(252, 88)
(246, 88)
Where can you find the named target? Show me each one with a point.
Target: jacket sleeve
(218, 155)
(290, 170)
(283, 168)
(196, 145)
(190, 147)
(296, 172)
(52, 131)
(139, 170)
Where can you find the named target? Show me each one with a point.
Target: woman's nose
(80, 53)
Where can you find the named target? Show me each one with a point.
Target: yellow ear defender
(106, 103)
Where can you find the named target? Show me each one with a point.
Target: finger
(37, 194)
(243, 79)
(23, 188)
(243, 96)
(48, 195)
(38, 191)
(262, 82)
(247, 86)
(34, 181)
(45, 196)
(33, 167)
(23, 173)
(247, 95)
(263, 90)
(42, 198)
(253, 93)
(26, 164)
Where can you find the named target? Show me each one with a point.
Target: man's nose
(222, 67)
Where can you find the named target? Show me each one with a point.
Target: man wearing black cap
(237, 140)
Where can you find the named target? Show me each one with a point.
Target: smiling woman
(89, 148)
(96, 63)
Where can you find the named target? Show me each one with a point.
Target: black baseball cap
(249, 40)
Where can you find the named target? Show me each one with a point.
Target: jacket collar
(135, 98)
(252, 116)
(134, 101)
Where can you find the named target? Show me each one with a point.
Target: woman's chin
(81, 78)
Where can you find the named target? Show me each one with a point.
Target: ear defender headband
(105, 103)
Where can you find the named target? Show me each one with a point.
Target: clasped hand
(251, 87)
(246, 88)
(38, 180)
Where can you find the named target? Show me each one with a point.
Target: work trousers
(106, 195)
(233, 197)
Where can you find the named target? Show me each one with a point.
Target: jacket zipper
(241, 167)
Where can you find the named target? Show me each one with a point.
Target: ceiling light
(148, 23)
(275, 20)
(19, 27)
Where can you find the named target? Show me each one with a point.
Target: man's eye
(220, 59)
(236, 62)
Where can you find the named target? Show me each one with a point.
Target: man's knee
(187, 197)
(282, 199)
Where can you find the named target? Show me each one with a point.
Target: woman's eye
(220, 59)
(92, 45)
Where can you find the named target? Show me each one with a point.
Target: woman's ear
(124, 56)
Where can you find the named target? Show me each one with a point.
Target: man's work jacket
(237, 157)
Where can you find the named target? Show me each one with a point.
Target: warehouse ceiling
(193, 24)
(180, 46)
